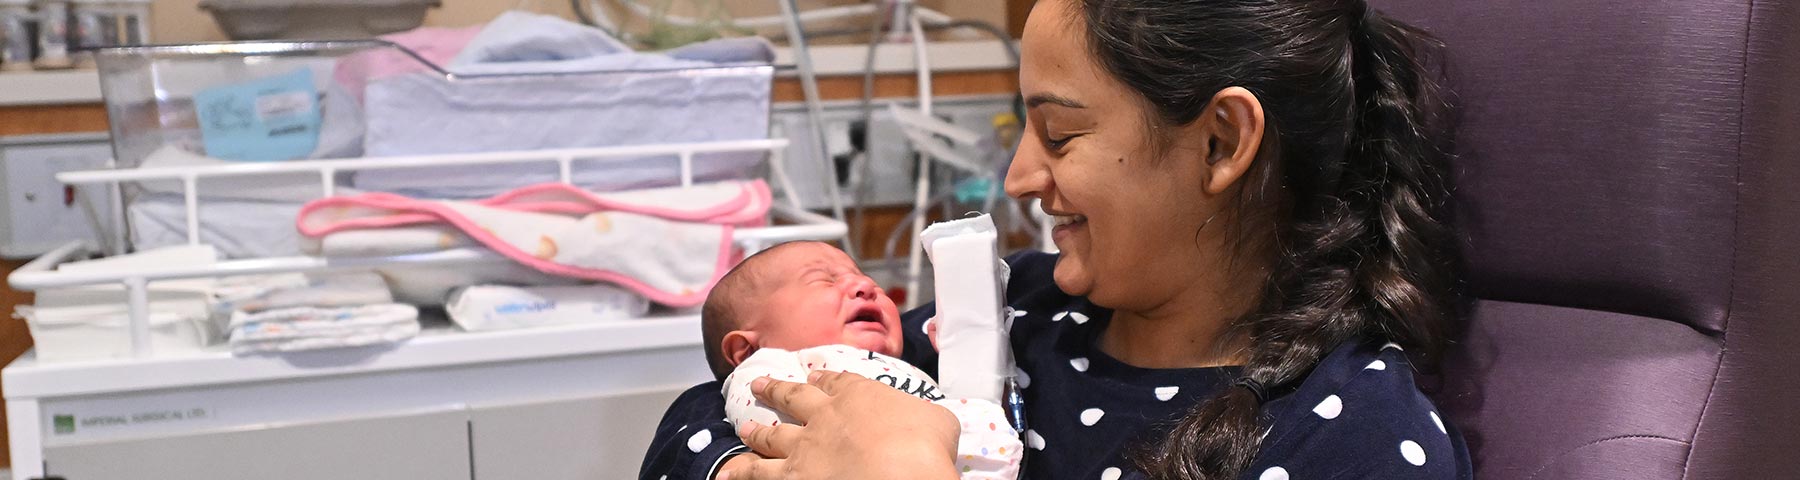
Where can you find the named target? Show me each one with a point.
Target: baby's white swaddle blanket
(988, 447)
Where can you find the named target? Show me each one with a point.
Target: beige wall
(181, 21)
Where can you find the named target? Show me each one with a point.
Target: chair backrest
(1629, 188)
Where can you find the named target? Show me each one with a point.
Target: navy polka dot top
(1357, 415)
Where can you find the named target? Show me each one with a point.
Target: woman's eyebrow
(1043, 98)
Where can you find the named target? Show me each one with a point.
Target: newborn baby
(804, 306)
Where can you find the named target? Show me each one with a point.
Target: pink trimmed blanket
(669, 244)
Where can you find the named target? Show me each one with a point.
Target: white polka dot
(1166, 393)
(684, 428)
(1080, 363)
(664, 477)
(1091, 416)
(1274, 473)
(926, 327)
(1021, 378)
(1018, 313)
(1413, 453)
(1439, 422)
(1392, 345)
(1033, 440)
(1078, 317)
(1376, 365)
(700, 440)
(1058, 317)
(1111, 473)
(1330, 408)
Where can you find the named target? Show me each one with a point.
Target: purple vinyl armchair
(1629, 190)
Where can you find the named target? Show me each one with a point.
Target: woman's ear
(739, 344)
(1233, 129)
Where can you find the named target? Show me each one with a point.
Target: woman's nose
(1028, 177)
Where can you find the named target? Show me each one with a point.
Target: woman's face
(1128, 213)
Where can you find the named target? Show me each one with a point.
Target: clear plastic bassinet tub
(273, 101)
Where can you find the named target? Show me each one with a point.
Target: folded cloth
(255, 293)
(500, 307)
(517, 36)
(237, 228)
(988, 448)
(670, 245)
(310, 328)
(532, 82)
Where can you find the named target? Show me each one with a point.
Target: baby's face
(816, 296)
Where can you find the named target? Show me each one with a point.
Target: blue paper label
(268, 119)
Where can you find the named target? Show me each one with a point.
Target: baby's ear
(739, 344)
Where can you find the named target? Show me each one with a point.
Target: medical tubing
(809, 87)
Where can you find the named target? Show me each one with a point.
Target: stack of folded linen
(293, 312)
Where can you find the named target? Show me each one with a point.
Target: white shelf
(27, 378)
(49, 87)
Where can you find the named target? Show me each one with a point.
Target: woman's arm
(854, 428)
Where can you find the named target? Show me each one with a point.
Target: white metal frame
(42, 273)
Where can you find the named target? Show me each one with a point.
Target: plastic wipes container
(315, 19)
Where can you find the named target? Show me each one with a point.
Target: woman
(1244, 193)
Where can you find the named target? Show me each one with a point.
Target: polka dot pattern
(700, 440)
(1091, 416)
(1330, 408)
(1092, 408)
(1033, 440)
(1413, 453)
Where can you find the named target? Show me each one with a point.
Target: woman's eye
(1058, 143)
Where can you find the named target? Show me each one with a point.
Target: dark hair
(720, 314)
(1348, 220)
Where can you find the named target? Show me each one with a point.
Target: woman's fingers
(767, 469)
(798, 400)
(833, 383)
(776, 441)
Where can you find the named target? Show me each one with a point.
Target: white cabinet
(36, 212)
(421, 446)
(585, 438)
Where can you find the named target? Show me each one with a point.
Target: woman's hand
(854, 428)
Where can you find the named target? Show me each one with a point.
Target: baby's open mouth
(865, 314)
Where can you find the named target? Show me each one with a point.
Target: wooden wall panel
(31, 120)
